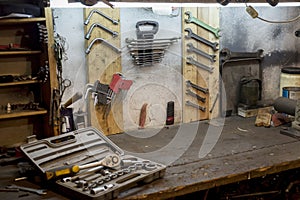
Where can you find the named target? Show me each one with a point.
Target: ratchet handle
(61, 172)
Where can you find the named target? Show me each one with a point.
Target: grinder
(290, 107)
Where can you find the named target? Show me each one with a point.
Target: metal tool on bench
(188, 103)
(145, 50)
(88, 34)
(104, 94)
(197, 87)
(86, 22)
(27, 189)
(88, 50)
(193, 35)
(110, 161)
(198, 22)
(191, 48)
(289, 107)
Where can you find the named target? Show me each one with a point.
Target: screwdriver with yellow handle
(110, 161)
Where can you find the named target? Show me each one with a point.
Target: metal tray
(86, 146)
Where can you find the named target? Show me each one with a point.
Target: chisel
(110, 161)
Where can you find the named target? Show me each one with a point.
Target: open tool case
(86, 146)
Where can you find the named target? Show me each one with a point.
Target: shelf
(19, 83)
(17, 53)
(23, 113)
(22, 20)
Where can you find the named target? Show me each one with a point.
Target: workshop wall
(242, 33)
(153, 85)
(159, 84)
(68, 23)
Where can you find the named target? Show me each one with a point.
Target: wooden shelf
(19, 83)
(23, 113)
(22, 20)
(18, 53)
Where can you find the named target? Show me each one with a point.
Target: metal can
(291, 92)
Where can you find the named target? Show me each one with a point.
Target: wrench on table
(198, 22)
(27, 189)
(190, 34)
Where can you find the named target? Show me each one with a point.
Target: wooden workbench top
(242, 152)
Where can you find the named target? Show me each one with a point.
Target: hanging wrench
(188, 103)
(102, 14)
(191, 48)
(88, 50)
(88, 35)
(189, 92)
(27, 189)
(226, 54)
(190, 60)
(198, 22)
(190, 34)
(197, 87)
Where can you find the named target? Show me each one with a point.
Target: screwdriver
(110, 161)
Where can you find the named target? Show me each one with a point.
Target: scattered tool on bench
(27, 189)
(198, 22)
(110, 161)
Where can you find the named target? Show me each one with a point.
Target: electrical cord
(254, 14)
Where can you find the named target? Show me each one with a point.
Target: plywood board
(102, 62)
(197, 75)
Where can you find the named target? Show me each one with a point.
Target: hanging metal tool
(104, 94)
(86, 22)
(59, 48)
(146, 50)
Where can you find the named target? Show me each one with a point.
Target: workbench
(242, 152)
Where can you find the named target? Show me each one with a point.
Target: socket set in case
(85, 164)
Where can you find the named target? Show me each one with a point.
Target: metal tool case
(85, 146)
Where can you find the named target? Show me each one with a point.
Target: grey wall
(240, 32)
(69, 24)
(157, 84)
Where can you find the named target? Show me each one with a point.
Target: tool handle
(73, 99)
(61, 172)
